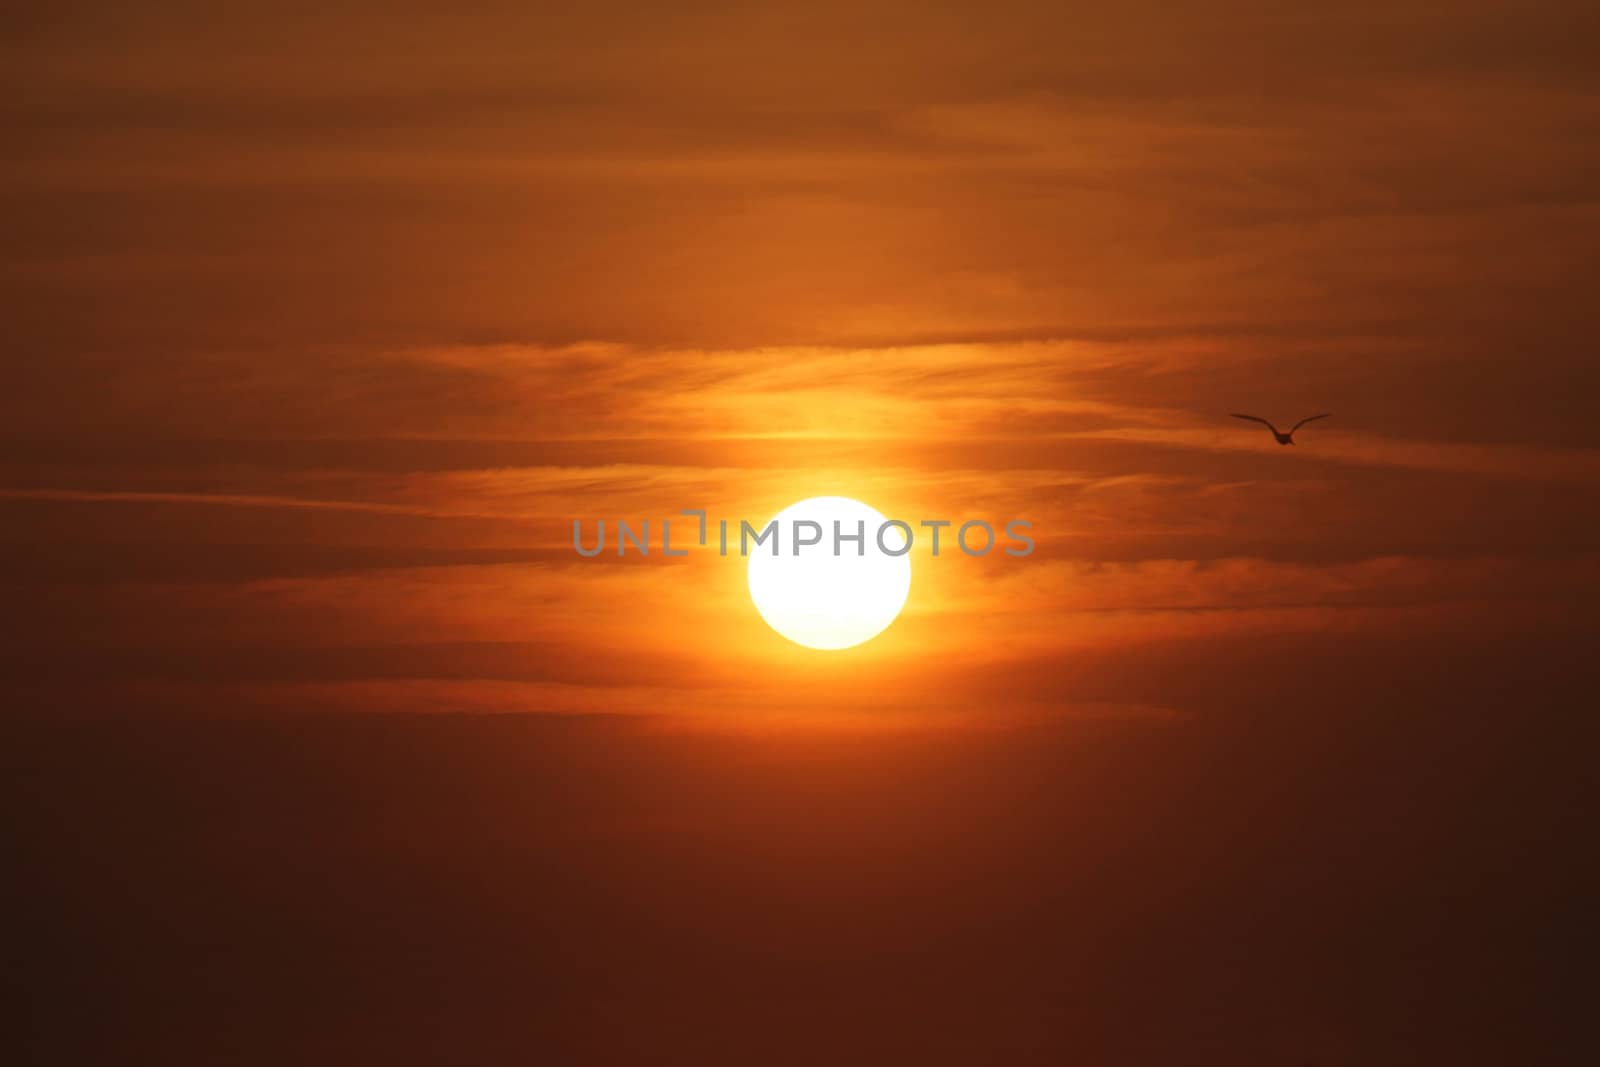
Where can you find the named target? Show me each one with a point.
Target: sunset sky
(325, 323)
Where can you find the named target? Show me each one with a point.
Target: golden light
(839, 575)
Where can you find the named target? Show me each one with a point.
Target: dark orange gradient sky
(325, 325)
(324, 322)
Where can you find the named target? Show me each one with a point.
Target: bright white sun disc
(838, 591)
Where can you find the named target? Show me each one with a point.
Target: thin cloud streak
(234, 500)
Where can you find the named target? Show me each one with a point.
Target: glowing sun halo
(821, 599)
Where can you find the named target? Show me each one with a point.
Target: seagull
(1284, 438)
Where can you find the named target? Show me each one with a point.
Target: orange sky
(324, 321)
(321, 335)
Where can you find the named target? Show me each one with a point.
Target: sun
(825, 594)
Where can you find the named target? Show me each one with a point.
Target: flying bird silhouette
(1284, 438)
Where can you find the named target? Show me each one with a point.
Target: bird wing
(1310, 418)
(1262, 421)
